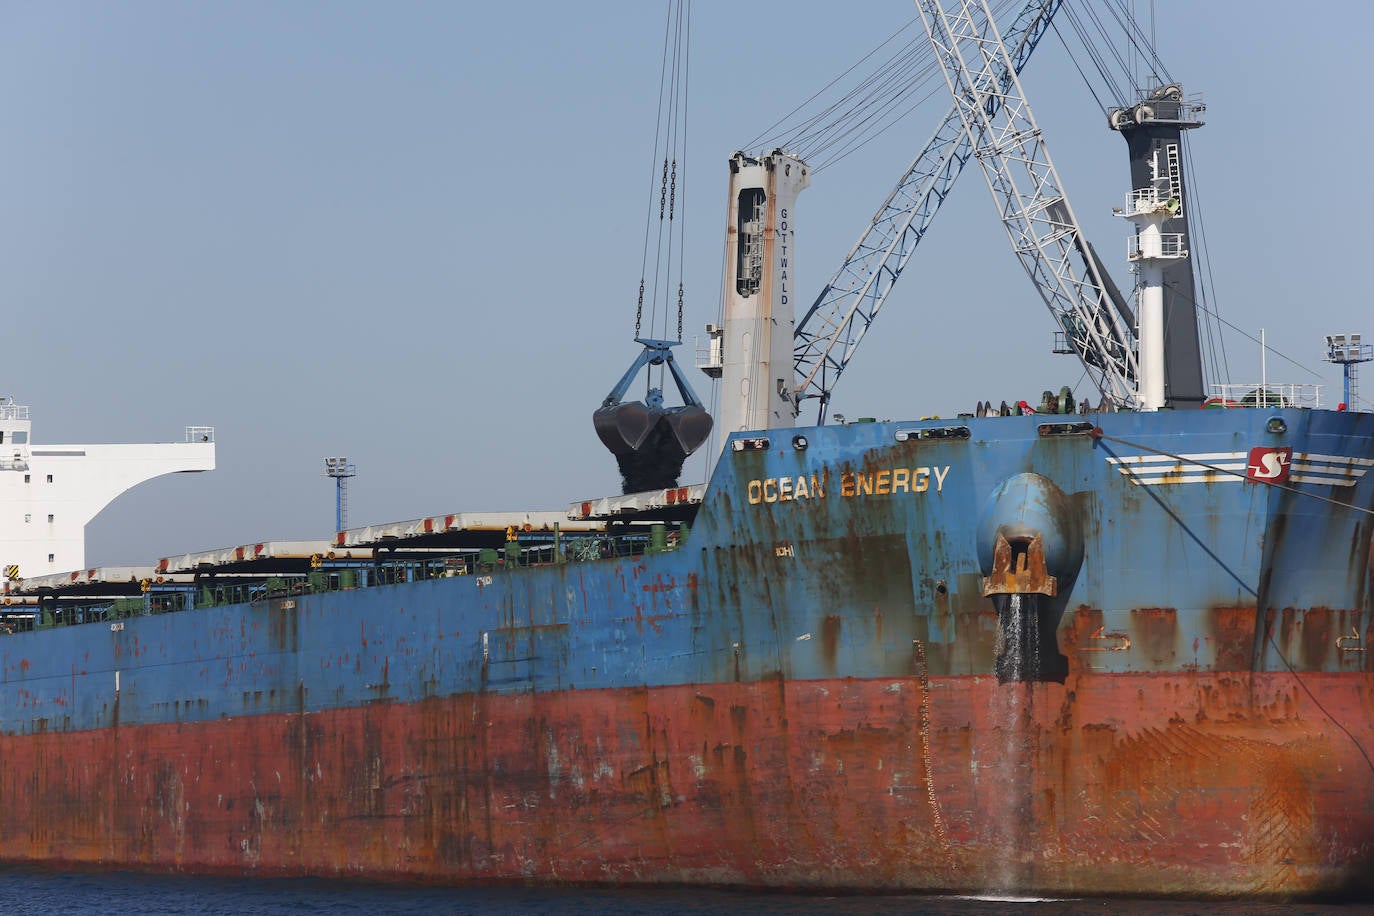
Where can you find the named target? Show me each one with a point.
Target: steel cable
(1098, 436)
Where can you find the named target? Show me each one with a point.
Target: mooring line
(1098, 434)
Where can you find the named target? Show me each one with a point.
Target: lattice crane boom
(829, 333)
(1035, 212)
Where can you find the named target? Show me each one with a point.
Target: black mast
(1153, 129)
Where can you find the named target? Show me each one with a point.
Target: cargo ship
(1070, 648)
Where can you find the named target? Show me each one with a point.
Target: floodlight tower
(1348, 352)
(340, 469)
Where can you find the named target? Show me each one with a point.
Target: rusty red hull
(1185, 784)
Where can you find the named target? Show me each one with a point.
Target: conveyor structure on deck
(102, 581)
(247, 573)
(265, 559)
(101, 584)
(675, 504)
(440, 546)
(461, 531)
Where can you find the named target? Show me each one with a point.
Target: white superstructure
(49, 492)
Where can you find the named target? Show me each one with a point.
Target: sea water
(52, 893)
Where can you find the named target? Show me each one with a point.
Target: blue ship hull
(1123, 653)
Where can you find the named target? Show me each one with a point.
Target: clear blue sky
(409, 232)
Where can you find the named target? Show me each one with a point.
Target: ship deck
(439, 546)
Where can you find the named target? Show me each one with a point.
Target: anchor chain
(927, 764)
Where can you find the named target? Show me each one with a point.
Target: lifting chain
(663, 190)
(672, 192)
(639, 309)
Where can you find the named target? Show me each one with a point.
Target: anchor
(1023, 592)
